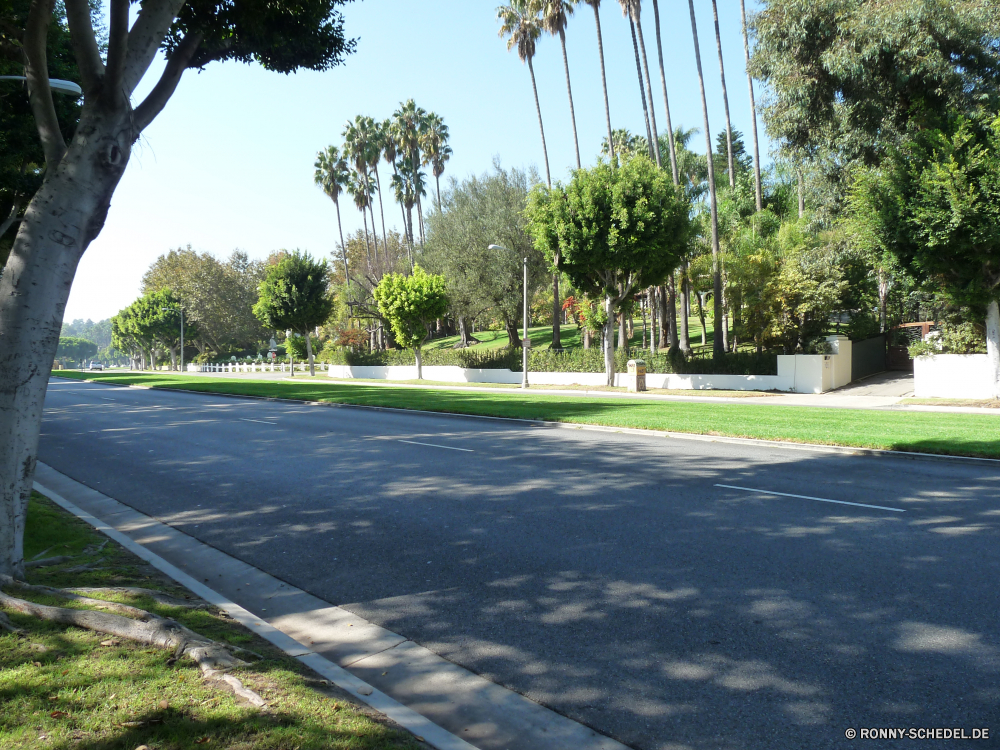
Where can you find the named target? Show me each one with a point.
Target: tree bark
(622, 339)
(666, 100)
(569, 90)
(672, 313)
(642, 88)
(802, 194)
(381, 210)
(541, 127)
(649, 92)
(993, 345)
(725, 98)
(604, 84)
(608, 342)
(718, 350)
(343, 246)
(753, 111)
(61, 220)
(465, 338)
(512, 334)
(420, 364)
(684, 335)
(309, 354)
(556, 312)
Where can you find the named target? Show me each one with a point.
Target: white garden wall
(952, 376)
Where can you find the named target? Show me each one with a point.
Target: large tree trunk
(666, 100)
(672, 313)
(717, 346)
(541, 127)
(993, 345)
(64, 216)
(556, 312)
(622, 337)
(513, 336)
(420, 364)
(725, 98)
(684, 335)
(465, 338)
(753, 110)
(608, 341)
(604, 84)
(309, 354)
(569, 90)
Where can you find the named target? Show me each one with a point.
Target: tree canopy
(410, 304)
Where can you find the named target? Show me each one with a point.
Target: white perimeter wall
(952, 376)
(801, 373)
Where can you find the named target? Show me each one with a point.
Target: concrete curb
(407, 718)
(758, 442)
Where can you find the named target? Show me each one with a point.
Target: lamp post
(181, 311)
(57, 85)
(526, 342)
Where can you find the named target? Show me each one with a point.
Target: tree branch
(88, 58)
(155, 18)
(118, 39)
(153, 104)
(39, 91)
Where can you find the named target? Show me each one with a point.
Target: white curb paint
(407, 718)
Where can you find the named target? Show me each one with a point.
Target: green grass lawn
(946, 433)
(65, 687)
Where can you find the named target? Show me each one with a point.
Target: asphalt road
(604, 575)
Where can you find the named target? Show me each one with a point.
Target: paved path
(607, 576)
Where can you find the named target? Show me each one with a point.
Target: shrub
(954, 338)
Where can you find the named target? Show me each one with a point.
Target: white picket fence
(254, 367)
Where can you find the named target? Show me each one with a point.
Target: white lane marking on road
(259, 421)
(435, 445)
(810, 497)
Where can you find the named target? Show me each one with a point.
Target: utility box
(636, 375)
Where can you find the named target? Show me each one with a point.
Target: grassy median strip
(66, 687)
(926, 432)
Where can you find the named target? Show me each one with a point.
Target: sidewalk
(445, 704)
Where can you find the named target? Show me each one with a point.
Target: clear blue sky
(229, 162)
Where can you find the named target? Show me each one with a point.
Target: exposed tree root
(157, 596)
(7, 625)
(45, 562)
(212, 658)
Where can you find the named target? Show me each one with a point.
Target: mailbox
(636, 375)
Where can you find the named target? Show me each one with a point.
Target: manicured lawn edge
(947, 434)
(68, 687)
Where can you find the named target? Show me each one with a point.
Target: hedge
(571, 360)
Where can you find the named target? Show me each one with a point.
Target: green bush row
(571, 360)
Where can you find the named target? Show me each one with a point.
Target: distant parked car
(95, 366)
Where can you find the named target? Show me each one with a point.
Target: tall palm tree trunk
(541, 127)
(717, 348)
(368, 248)
(381, 210)
(604, 84)
(725, 98)
(343, 247)
(802, 193)
(569, 90)
(649, 93)
(666, 100)
(642, 88)
(437, 181)
(753, 111)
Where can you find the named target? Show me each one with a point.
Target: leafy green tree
(411, 304)
(294, 297)
(82, 173)
(75, 349)
(612, 231)
(936, 207)
(855, 77)
(480, 212)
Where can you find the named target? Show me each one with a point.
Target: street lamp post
(57, 85)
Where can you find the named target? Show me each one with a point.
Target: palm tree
(633, 8)
(626, 5)
(375, 138)
(390, 150)
(519, 24)
(596, 5)
(666, 100)
(725, 98)
(555, 17)
(717, 346)
(358, 146)
(436, 149)
(753, 110)
(332, 175)
(410, 122)
(356, 189)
